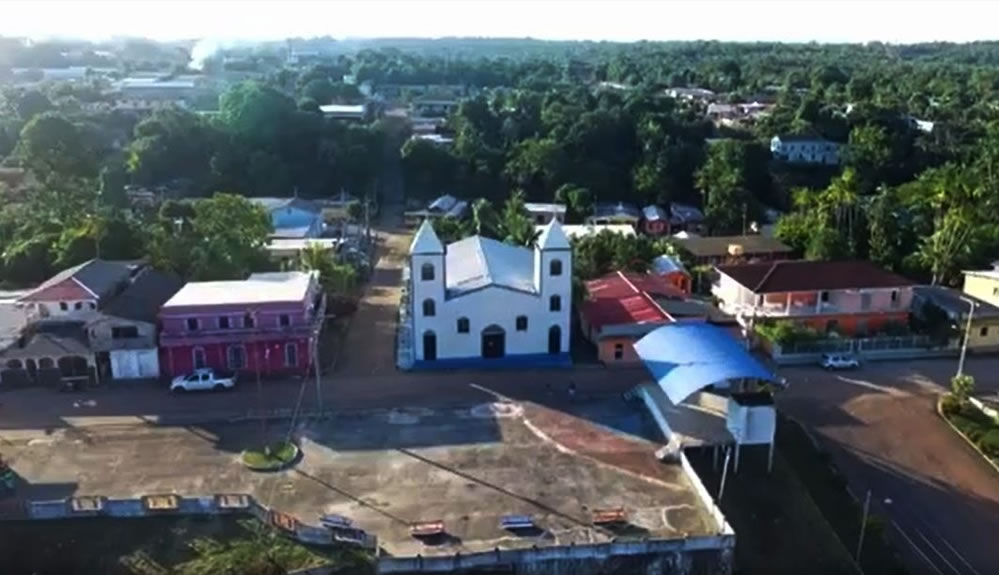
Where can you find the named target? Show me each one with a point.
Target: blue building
(293, 218)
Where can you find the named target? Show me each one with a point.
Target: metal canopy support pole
(736, 467)
(770, 458)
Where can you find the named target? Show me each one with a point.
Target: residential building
(293, 217)
(984, 332)
(266, 324)
(352, 112)
(48, 353)
(123, 333)
(82, 287)
(619, 213)
(672, 270)
(619, 309)
(795, 149)
(434, 107)
(483, 302)
(715, 250)
(655, 221)
(685, 217)
(983, 284)
(287, 250)
(691, 94)
(586, 230)
(849, 297)
(541, 214)
(446, 206)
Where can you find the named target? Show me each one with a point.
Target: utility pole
(967, 333)
(315, 358)
(744, 219)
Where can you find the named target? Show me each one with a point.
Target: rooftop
(259, 288)
(653, 213)
(954, 302)
(666, 264)
(142, 299)
(801, 138)
(271, 204)
(716, 246)
(618, 210)
(476, 262)
(343, 109)
(991, 274)
(620, 298)
(536, 208)
(579, 231)
(98, 276)
(800, 275)
(552, 237)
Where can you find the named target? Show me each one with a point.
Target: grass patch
(827, 487)
(163, 546)
(272, 457)
(978, 427)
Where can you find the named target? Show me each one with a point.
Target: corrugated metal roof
(665, 264)
(785, 276)
(687, 357)
(477, 262)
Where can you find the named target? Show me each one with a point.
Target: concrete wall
(101, 339)
(693, 556)
(607, 346)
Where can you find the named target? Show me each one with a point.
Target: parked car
(201, 380)
(834, 361)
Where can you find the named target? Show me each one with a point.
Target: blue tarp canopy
(687, 357)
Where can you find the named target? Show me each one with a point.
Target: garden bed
(978, 428)
(271, 457)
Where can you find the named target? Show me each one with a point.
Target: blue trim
(519, 361)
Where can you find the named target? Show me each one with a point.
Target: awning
(687, 357)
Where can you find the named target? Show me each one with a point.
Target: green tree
(885, 235)
(53, 147)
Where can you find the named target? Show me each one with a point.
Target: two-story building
(268, 323)
(848, 297)
(795, 149)
(716, 250)
(293, 217)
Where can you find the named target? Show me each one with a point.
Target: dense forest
(577, 122)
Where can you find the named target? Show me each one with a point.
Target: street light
(967, 333)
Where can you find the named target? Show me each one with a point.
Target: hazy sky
(626, 20)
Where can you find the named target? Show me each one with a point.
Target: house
(984, 332)
(795, 149)
(287, 250)
(619, 213)
(82, 287)
(655, 221)
(293, 217)
(541, 214)
(446, 206)
(619, 309)
(49, 352)
(691, 94)
(849, 297)
(150, 93)
(586, 230)
(434, 107)
(266, 324)
(685, 217)
(716, 250)
(983, 284)
(123, 333)
(672, 270)
(351, 112)
(483, 302)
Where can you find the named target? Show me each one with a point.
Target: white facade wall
(491, 305)
(54, 308)
(135, 364)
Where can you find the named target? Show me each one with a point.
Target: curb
(961, 434)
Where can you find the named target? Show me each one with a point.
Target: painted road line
(942, 539)
(916, 548)
(937, 551)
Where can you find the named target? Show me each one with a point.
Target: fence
(884, 347)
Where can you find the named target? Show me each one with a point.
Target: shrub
(950, 404)
(962, 386)
(989, 443)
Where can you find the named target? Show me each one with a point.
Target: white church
(479, 301)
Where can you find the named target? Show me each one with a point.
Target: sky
(896, 21)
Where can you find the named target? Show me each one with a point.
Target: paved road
(880, 424)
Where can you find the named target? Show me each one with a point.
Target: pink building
(267, 324)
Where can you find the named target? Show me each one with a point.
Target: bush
(950, 404)
(786, 332)
(989, 443)
(272, 457)
(962, 386)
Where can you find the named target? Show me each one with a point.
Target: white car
(202, 380)
(839, 361)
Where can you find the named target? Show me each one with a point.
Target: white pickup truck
(201, 380)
